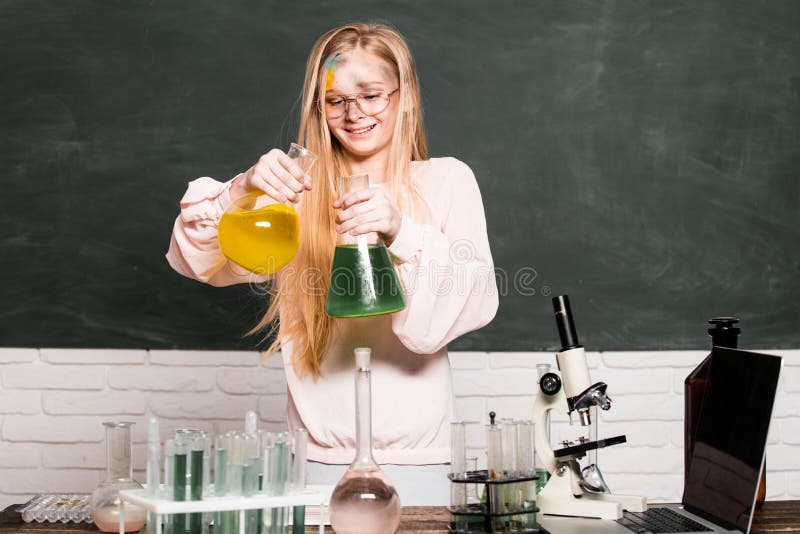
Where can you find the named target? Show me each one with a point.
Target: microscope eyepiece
(565, 323)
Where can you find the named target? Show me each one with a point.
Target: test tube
(196, 489)
(235, 464)
(179, 488)
(153, 469)
(267, 444)
(299, 477)
(235, 472)
(525, 497)
(494, 450)
(262, 436)
(169, 482)
(186, 437)
(222, 521)
(473, 498)
(525, 449)
(458, 456)
(250, 478)
(509, 429)
(207, 442)
(494, 463)
(458, 449)
(267, 448)
(278, 474)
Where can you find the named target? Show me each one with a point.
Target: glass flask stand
(364, 501)
(363, 280)
(119, 476)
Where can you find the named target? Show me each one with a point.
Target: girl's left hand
(368, 210)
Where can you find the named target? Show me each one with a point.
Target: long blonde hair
(300, 290)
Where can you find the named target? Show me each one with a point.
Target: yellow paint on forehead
(330, 65)
(329, 80)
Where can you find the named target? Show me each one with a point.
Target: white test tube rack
(313, 495)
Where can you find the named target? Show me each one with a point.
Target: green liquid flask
(363, 279)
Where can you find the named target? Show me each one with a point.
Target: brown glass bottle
(723, 334)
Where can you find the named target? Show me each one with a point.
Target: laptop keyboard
(659, 520)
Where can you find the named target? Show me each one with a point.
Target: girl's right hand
(277, 175)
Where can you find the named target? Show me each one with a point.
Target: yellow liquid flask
(259, 234)
(262, 240)
(363, 280)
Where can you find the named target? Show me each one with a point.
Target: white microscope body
(568, 492)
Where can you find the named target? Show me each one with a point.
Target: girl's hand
(277, 175)
(368, 210)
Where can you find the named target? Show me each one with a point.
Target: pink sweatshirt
(446, 268)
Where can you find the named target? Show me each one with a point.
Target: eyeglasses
(370, 103)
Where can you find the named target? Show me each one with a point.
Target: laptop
(727, 460)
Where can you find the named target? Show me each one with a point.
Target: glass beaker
(364, 501)
(119, 476)
(259, 233)
(363, 280)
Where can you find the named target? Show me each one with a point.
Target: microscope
(572, 491)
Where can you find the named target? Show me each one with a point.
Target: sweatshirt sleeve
(194, 249)
(447, 272)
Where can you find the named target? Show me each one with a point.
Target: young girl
(361, 114)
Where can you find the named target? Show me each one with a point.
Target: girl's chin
(363, 149)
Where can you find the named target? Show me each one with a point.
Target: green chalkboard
(641, 157)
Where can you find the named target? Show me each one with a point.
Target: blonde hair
(300, 290)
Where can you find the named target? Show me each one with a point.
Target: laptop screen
(731, 436)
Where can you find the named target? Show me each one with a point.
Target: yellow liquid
(262, 241)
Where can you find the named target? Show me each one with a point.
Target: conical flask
(119, 476)
(363, 280)
(259, 234)
(364, 501)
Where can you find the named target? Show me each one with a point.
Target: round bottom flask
(119, 476)
(364, 501)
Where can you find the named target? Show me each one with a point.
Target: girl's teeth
(362, 130)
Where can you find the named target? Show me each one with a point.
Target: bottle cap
(362, 357)
(723, 324)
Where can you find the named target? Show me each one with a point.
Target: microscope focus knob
(550, 384)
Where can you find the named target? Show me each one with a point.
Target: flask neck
(118, 451)
(363, 459)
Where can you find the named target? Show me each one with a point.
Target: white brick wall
(52, 402)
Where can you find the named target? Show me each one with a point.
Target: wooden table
(775, 516)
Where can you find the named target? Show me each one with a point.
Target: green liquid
(196, 491)
(179, 494)
(363, 283)
(542, 480)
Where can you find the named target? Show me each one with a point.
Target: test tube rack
(313, 495)
(474, 518)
